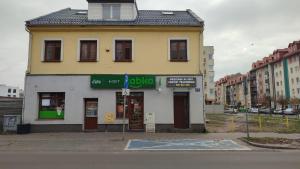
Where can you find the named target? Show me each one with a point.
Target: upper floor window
(111, 11)
(52, 51)
(14, 91)
(88, 50)
(123, 50)
(9, 91)
(178, 50)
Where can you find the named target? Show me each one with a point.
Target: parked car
(289, 111)
(231, 110)
(278, 111)
(253, 110)
(266, 111)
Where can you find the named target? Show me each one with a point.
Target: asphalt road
(152, 160)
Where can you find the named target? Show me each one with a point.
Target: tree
(265, 101)
(295, 102)
(283, 102)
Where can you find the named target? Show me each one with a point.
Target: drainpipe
(27, 71)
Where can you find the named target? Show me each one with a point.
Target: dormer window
(111, 11)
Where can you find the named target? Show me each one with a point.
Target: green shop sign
(117, 82)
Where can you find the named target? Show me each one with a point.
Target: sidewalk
(106, 142)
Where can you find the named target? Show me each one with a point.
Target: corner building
(78, 58)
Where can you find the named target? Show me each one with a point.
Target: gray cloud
(230, 25)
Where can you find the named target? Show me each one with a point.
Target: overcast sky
(242, 31)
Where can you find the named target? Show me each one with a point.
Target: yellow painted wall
(150, 48)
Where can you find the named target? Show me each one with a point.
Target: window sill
(123, 61)
(54, 61)
(179, 61)
(88, 61)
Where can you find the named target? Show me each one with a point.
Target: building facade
(10, 91)
(78, 59)
(274, 77)
(209, 74)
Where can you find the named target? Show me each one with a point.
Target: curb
(269, 146)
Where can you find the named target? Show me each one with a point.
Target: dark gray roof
(111, 1)
(71, 17)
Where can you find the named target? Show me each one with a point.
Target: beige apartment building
(209, 74)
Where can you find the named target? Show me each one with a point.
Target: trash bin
(24, 129)
(10, 123)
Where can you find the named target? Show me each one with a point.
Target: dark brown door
(91, 114)
(181, 111)
(136, 111)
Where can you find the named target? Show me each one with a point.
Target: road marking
(184, 145)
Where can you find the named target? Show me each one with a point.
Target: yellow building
(78, 60)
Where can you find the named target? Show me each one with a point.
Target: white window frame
(187, 46)
(114, 47)
(88, 39)
(111, 11)
(44, 48)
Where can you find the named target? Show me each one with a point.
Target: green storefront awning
(117, 81)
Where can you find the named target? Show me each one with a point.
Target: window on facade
(9, 90)
(111, 11)
(120, 106)
(280, 83)
(292, 81)
(8, 95)
(210, 56)
(52, 51)
(14, 91)
(276, 74)
(211, 91)
(291, 70)
(277, 83)
(51, 105)
(298, 90)
(123, 50)
(88, 50)
(298, 80)
(178, 51)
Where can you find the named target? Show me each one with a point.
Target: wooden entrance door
(91, 114)
(181, 111)
(136, 111)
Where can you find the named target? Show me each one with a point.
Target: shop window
(178, 51)
(120, 106)
(52, 51)
(51, 105)
(88, 50)
(123, 50)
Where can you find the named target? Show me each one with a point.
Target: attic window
(81, 13)
(167, 13)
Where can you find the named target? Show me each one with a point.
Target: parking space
(184, 145)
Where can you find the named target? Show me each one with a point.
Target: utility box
(11, 122)
(150, 122)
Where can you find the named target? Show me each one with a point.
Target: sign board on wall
(117, 81)
(189, 82)
(109, 118)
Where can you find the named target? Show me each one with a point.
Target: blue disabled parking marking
(185, 144)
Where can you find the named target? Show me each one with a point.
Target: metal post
(124, 117)
(248, 134)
